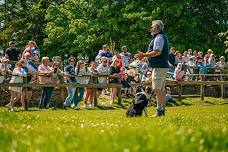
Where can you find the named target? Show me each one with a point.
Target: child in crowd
(89, 91)
(179, 72)
(168, 96)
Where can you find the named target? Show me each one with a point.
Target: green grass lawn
(184, 128)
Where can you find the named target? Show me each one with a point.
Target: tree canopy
(82, 26)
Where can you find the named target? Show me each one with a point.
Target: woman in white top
(18, 74)
(81, 70)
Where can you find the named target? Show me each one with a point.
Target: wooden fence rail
(96, 85)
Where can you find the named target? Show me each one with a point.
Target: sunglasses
(105, 61)
(72, 61)
(20, 65)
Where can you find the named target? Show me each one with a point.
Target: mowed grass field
(184, 128)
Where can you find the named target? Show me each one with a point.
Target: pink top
(45, 69)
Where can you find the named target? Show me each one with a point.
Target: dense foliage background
(81, 26)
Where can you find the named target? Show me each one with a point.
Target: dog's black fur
(139, 103)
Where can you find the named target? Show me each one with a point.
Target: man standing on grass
(158, 56)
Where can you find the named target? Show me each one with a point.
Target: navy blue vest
(160, 61)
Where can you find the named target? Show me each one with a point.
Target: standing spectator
(119, 57)
(103, 69)
(222, 63)
(189, 54)
(57, 72)
(115, 74)
(179, 58)
(70, 72)
(4, 69)
(45, 77)
(89, 91)
(199, 58)
(18, 74)
(104, 53)
(31, 48)
(143, 70)
(185, 57)
(82, 73)
(172, 57)
(12, 53)
(31, 70)
(127, 57)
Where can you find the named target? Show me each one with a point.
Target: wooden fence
(94, 84)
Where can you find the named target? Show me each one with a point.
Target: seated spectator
(45, 77)
(104, 53)
(202, 68)
(4, 69)
(103, 69)
(18, 74)
(168, 96)
(149, 80)
(179, 72)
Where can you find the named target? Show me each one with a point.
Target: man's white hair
(158, 24)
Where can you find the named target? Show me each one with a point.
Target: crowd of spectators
(119, 64)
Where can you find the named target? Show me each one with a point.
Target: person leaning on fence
(114, 75)
(57, 72)
(31, 70)
(82, 73)
(158, 56)
(4, 69)
(103, 69)
(89, 91)
(69, 71)
(18, 74)
(45, 73)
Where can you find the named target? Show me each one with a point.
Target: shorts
(16, 89)
(100, 89)
(158, 78)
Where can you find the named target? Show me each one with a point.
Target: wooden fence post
(62, 98)
(119, 92)
(202, 91)
(94, 81)
(25, 89)
(222, 88)
(179, 89)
